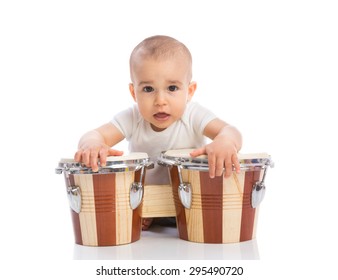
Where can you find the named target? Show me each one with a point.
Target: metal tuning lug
(74, 197)
(136, 192)
(258, 190)
(184, 190)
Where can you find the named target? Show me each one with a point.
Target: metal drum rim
(247, 161)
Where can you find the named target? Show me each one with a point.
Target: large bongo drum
(218, 210)
(104, 204)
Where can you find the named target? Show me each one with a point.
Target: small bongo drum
(104, 203)
(218, 210)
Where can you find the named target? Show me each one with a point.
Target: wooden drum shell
(221, 210)
(106, 217)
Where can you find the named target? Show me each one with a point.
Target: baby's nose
(160, 98)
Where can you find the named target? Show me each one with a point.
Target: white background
(268, 67)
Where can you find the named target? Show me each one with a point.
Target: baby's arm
(96, 144)
(222, 151)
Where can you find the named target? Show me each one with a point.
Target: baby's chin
(158, 129)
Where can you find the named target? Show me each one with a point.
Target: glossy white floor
(164, 243)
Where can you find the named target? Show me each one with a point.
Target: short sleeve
(199, 117)
(124, 122)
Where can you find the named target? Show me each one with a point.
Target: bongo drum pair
(105, 204)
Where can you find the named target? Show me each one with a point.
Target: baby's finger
(212, 165)
(228, 168)
(93, 161)
(85, 159)
(78, 156)
(219, 167)
(236, 164)
(112, 152)
(103, 157)
(198, 152)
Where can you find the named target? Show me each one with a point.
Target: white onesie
(184, 133)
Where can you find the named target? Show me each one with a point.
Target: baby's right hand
(90, 153)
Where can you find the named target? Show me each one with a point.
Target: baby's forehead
(172, 53)
(150, 64)
(159, 56)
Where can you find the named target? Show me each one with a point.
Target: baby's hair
(158, 47)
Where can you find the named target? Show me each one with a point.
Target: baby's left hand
(221, 154)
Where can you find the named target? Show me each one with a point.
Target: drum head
(182, 157)
(130, 162)
(132, 157)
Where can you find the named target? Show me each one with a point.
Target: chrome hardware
(184, 190)
(258, 189)
(58, 170)
(73, 192)
(136, 188)
(74, 197)
(136, 192)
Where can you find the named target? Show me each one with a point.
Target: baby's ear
(132, 91)
(191, 90)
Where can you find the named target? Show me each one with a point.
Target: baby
(163, 117)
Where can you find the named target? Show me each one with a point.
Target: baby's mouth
(161, 116)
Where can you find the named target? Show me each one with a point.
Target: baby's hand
(221, 154)
(90, 153)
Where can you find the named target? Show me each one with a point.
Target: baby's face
(162, 89)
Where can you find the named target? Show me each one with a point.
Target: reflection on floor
(161, 243)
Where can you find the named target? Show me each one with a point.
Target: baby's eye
(172, 88)
(148, 89)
